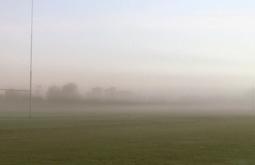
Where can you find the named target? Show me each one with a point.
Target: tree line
(71, 92)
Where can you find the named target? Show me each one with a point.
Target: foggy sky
(142, 45)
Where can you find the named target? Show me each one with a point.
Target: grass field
(111, 137)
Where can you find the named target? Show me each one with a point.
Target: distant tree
(37, 94)
(96, 93)
(67, 92)
(53, 93)
(110, 93)
(70, 92)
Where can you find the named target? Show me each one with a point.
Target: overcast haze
(143, 45)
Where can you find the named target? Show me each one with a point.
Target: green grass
(128, 138)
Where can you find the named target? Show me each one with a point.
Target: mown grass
(128, 139)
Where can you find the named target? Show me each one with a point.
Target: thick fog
(151, 51)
